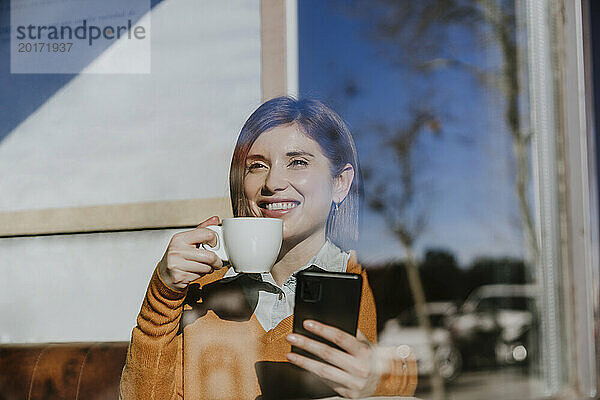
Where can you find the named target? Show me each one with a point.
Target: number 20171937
(43, 47)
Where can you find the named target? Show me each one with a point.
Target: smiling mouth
(283, 205)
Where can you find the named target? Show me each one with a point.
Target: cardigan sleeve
(153, 368)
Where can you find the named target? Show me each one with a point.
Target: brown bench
(66, 371)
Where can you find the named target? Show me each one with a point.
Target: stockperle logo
(80, 36)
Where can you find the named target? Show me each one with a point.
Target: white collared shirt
(272, 308)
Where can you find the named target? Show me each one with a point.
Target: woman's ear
(342, 183)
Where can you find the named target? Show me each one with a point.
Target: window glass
(436, 96)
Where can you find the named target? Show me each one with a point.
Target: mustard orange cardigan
(176, 352)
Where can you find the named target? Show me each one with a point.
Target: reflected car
(406, 330)
(494, 325)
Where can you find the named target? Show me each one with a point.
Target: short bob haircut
(323, 125)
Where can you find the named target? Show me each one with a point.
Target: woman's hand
(184, 262)
(353, 373)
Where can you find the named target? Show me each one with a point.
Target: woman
(294, 160)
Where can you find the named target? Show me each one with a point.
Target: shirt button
(403, 351)
(280, 295)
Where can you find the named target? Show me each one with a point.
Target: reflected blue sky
(466, 173)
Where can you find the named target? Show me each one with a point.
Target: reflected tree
(488, 271)
(424, 30)
(442, 278)
(402, 205)
(419, 35)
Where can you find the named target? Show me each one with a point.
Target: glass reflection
(435, 95)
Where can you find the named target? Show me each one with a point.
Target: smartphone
(332, 298)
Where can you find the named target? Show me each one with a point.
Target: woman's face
(288, 177)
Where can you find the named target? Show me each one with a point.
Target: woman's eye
(297, 163)
(254, 166)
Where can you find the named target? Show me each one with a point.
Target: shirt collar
(330, 258)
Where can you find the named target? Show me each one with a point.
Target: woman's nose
(276, 180)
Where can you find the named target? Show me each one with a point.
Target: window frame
(568, 149)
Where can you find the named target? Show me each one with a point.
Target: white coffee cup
(250, 244)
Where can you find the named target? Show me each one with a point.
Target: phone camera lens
(311, 291)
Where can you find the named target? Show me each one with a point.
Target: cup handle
(219, 249)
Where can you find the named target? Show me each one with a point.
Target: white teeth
(280, 206)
